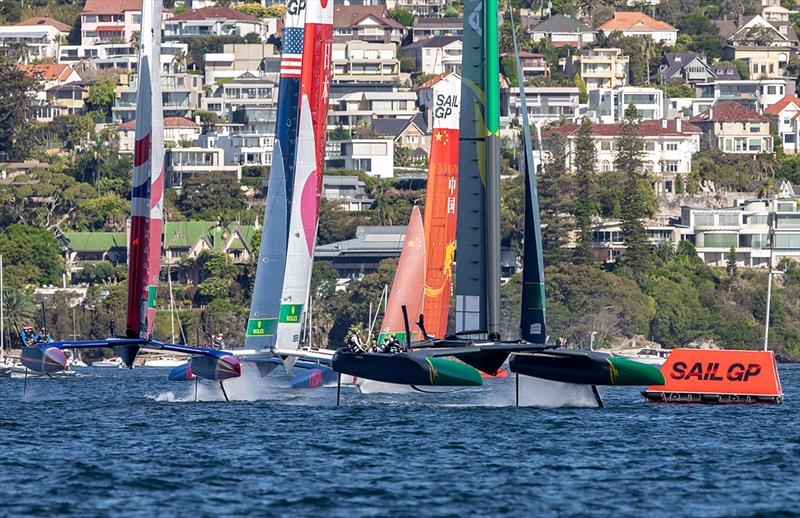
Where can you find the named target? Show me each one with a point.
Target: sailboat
(477, 341)
(144, 262)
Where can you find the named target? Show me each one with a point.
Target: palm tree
(19, 309)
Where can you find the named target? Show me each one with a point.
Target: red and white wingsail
(302, 230)
(441, 204)
(315, 79)
(147, 197)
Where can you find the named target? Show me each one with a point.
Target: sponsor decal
(290, 313)
(261, 326)
(294, 7)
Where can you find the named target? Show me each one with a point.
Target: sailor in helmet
(354, 341)
(219, 341)
(27, 335)
(43, 337)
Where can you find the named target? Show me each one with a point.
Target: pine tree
(585, 205)
(555, 192)
(630, 149)
(731, 268)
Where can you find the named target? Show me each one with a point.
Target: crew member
(218, 342)
(43, 337)
(354, 342)
(27, 336)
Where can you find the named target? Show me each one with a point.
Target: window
(671, 146)
(757, 219)
(605, 165)
(671, 166)
(606, 145)
(411, 139)
(754, 144)
(771, 89)
(728, 145)
(650, 146)
(789, 138)
(786, 207)
(787, 241)
(721, 240)
(704, 220)
(755, 127)
(729, 220)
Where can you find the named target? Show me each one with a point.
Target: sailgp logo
(475, 19)
(295, 6)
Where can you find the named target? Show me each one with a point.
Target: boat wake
(537, 392)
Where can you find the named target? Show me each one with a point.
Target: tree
(31, 255)
(555, 187)
(252, 37)
(405, 18)
(630, 148)
(731, 268)
(16, 95)
(585, 205)
(583, 92)
(101, 95)
(211, 196)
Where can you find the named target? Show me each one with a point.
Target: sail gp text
(445, 104)
(711, 371)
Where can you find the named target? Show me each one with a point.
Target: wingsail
(265, 305)
(441, 205)
(147, 196)
(406, 289)
(470, 254)
(302, 228)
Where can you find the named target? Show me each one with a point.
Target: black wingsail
(470, 285)
(532, 310)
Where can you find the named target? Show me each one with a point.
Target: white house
(545, 103)
(609, 105)
(216, 21)
(41, 38)
(787, 113)
(360, 107)
(365, 61)
(436, 55)
(373, 156)
(177, 131)
(668, 148)
(634, 23)
(111, 20)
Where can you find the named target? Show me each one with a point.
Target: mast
(771, 217)
(492, 171)
(2, 315)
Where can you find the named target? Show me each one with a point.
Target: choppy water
(131, 443)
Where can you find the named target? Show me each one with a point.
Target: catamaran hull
(405, 369)
(584, 368)
(44, 360)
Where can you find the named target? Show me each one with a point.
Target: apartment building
(178, 131)
(668, 148)
(217, 21)
(533, 64)
(634, 23)
(423, 7)
(182, 163)
(436, 55)
(745, 227)
(123, 57)
(240, 58)
(374, 156)
(359, 108)
(34, 39)
(786, 113)
(246, 90)
(348, 191)
(732, 128)
(545, 103)
(425, 28)
(111, 20)
(563, 31)
(357, 61)
(608, 241)
(609, 105)
(600, 67)
(755, 94)
(181, 95)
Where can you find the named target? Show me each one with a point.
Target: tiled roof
(648, 128)
(351, 15)
(214, 13)
(560, 23)
(729, 111)
(778, 107)
(430, 82)
(169, 122)
(47, 71)
(634, 21)
(111, 6)
(62, 27)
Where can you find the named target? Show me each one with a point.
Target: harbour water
(117, 442)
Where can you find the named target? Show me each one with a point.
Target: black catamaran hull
(406, 369)
(584, 367)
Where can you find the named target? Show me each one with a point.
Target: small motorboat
(649, 355)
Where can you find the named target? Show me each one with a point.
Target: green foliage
(31, 255)
(672, 90)
(583, 92)
(585, 205)
(555, 196)
(643, 54)
(408, 64)
(211, 196)
(106, 212)
(402, 16)
(101, 95)
(508, 67)
(16, 95)
(629, 151)
(339, 133)
(252, 37)
(199, 46)
(67, 131)
(102, 273)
